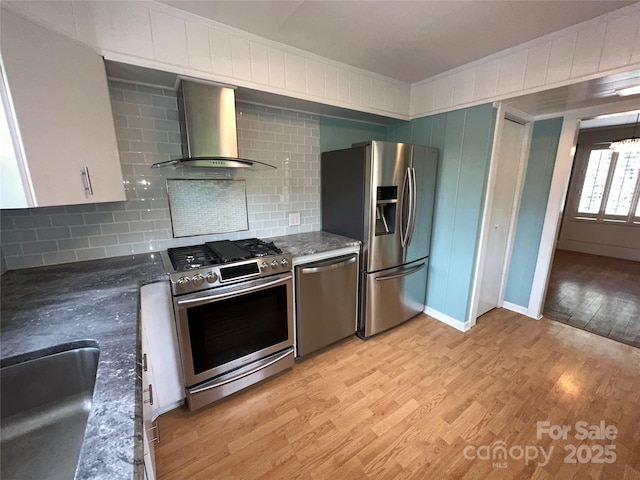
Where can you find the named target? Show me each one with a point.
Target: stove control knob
(284, 262)
(197, 280)
(264, 266)
(183, 282)
(274, 264)
(212, 277)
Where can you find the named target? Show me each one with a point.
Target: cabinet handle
(86, 179)
(150, 390)
(144, 362)
(155, 436)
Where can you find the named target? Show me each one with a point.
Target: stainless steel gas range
(233, 303)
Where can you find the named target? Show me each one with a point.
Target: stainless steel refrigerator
(382, 194)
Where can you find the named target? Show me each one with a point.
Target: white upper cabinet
(59, 112)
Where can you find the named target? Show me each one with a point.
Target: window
(609, 185)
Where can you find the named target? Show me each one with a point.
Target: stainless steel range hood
(210, 121)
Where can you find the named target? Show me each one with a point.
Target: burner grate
(257, 247)
(188, 258)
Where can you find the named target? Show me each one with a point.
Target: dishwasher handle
(330, 266)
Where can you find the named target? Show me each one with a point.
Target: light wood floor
(408, 404)
(598, 294)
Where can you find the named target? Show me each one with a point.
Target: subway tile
(73, 243)
(128, 216)
(126, 109)
(91, 253)
(131, 237)
(118, 250)
(12, 249)
(103, 240)
(153, 112)
(168, 103)
(6, 221)
(55, 258)
(143, 147)
(32, 221)
(111, 228)
(53, 233)
(98, 218)
(167, 125)
(39, 247)
(129, 134)
(85, 231)
(137, 98)
(24, 261)
(140, 122)
(18, 236)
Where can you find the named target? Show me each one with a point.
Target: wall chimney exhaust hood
(210, 121)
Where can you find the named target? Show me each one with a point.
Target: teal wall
(533, 205)
(336, 133)
(463, 139)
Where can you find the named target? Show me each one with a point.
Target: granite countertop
(45, 307)
(311, 243)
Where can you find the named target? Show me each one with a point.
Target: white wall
(609, 240)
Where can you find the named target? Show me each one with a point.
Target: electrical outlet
(294, 219)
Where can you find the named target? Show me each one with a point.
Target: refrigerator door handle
(404, 229)
(412, 212)
(404, 273)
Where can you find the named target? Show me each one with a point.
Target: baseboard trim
(446, 319)
(519, 309)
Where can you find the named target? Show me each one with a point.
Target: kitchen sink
(45, 403)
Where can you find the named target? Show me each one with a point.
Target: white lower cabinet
(162, 382)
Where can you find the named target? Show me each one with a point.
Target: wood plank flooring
(597, 294)
(423, 401)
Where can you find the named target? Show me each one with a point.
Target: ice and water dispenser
(386, 208)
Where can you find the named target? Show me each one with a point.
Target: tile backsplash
(196, 205)
(148, 131)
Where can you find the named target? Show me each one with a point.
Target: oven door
(226, 328)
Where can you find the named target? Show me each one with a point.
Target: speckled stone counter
(306, 244)
(45, 307)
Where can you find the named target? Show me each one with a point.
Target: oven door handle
(242, 375)
(193, 302)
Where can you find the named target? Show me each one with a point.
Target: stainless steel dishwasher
(326, 302)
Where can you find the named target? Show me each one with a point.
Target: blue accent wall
(533, 205)
(336, 133)
(464, 139)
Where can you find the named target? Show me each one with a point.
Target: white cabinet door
(162, 340)
(149, 410)
(62, 115)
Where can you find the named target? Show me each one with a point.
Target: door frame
(504, 113)
(558, 194)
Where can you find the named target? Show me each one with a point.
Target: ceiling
(590, 93)
(406, 40)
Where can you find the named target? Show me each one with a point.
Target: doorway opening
(594, 282)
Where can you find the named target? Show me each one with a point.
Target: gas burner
(258, 248)
(189, 258)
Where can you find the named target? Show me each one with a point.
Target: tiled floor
(597, 294)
